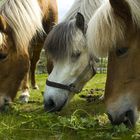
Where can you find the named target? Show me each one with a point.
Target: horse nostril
(110, 118)
(49, 105)
(118, 120)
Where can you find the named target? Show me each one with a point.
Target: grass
(84, 118)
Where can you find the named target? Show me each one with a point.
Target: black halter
(72, 87)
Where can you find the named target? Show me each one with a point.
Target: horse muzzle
(128, 118)
(52, 104)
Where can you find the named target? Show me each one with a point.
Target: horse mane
(25, 19)
(2, 41)
(85, 7)
(59, 41)
(105, 29)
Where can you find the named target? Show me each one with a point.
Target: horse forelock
(24, 18)
(105, 29)
(61, 41)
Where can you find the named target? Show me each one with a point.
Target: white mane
(105, 30)
(85, 7)
(24, 17)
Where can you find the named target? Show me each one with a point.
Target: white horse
(67, 46)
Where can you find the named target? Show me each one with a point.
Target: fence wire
(102, 66)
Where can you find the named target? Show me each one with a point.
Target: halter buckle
(73, 88)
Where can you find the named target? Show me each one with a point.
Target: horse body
(50, 18)
(66, 45)
(114, 30)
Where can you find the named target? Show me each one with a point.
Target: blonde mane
(105, 29)
(25, 19)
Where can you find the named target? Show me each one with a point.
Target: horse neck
(86, 7)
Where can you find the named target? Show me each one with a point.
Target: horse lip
(128, 123)
(129, 119)
(49, 108)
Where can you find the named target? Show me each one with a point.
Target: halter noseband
(72, 87)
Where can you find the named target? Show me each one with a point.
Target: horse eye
(2, 56)
(76, 55)
(121, 51)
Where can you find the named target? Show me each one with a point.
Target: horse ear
(121, 8)
(80, 22)
(4, 27)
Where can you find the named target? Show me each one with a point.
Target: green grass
(83, 119)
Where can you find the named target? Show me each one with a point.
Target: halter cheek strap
(72, 87)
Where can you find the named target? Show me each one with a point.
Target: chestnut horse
(50, 18)
(115, 30)
(20, 20)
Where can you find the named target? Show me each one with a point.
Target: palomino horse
(115, 30)
(50, 18)
(19, 22)
(73, 67)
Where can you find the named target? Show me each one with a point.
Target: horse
(20, 21)
(114, 31)
(66, 46)
(50, 18)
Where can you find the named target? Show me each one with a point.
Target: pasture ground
(83, 119)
